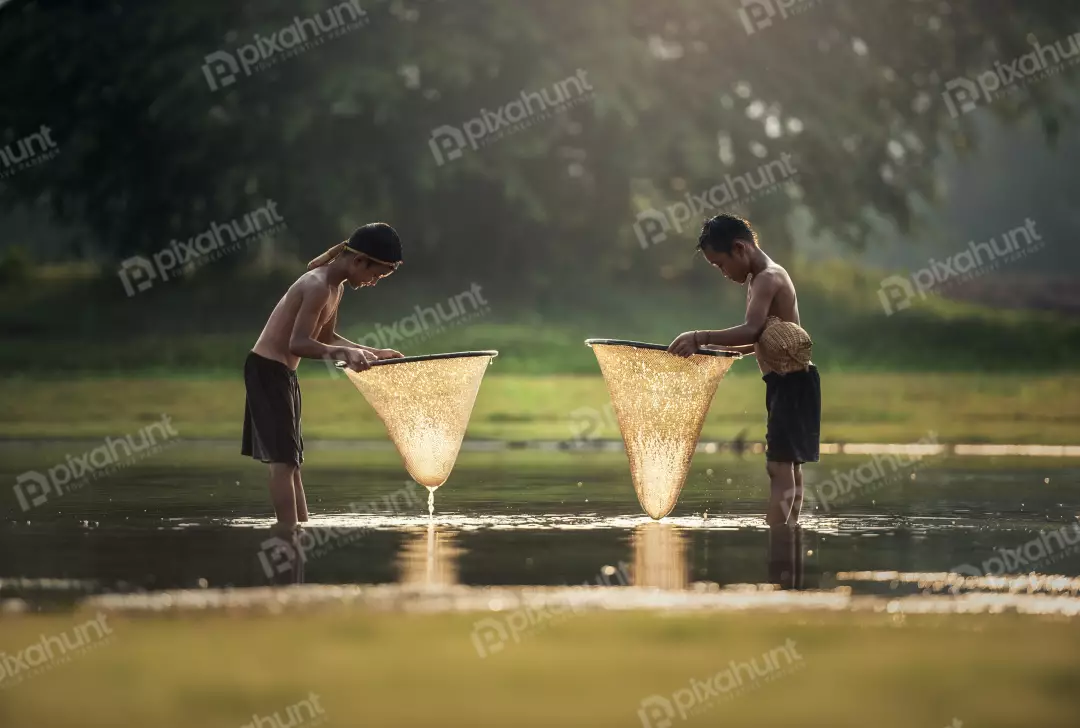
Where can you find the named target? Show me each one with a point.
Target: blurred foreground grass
(857, 407)
(378, 669)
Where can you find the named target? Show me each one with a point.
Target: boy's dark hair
(721, 232)
(378, 240)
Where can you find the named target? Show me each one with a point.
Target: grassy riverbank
(857, 407)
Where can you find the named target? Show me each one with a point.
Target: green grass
(210, 322)
(379, 669)
(857, 407)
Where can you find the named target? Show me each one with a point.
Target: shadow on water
(200, 520)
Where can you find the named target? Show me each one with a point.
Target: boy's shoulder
(776, 269)
(313, 281)
(774, 276)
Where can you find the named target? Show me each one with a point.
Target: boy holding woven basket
(771, 332)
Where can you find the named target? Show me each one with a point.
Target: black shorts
(272, 412)
(793, 402)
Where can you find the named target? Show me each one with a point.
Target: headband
(336, 250)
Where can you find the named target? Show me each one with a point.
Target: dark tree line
(158, 134)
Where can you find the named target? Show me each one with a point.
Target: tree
(686, 92)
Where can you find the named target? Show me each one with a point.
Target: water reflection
(429, 558)
(786, 557)
(663, 556)
(660, 557)
(289, 548)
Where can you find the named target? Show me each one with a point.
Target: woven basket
(784, 347)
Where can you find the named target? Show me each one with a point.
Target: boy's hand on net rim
(685, 344)
(388, 354)
(358, 360)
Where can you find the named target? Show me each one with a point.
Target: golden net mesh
(660, 401)
(425, 405)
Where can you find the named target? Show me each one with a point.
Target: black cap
(378, 241)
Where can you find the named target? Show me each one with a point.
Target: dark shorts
(793, 402)
(272, 412)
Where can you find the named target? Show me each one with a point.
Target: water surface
(197, 516)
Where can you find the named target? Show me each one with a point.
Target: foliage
(338, 135)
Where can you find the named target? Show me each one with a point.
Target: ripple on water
(577, 599)
(848, 525)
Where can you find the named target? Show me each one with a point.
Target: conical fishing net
(425, 403)
(660, 401)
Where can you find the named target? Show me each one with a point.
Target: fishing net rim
(428, 357)
(657, 347)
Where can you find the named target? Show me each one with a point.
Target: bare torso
(273, 342)
(785, 304)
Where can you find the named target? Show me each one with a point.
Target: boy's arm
(330, 336)
(313, 300)
(743, 335)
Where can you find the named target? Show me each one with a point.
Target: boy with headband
(302, 326)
